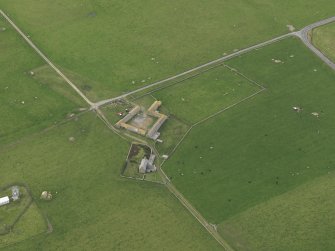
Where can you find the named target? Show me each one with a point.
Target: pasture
(199, 97)
(28, 103)
(262, 148)
(20, 220)
(261, 172)
(300, 219)
(92, 206)
(323, 38)
(117, 46)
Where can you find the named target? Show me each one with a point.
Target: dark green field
(262, 149)
(112, 43)
(300, 219)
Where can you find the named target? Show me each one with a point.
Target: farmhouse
(147, 165)
(4, 201)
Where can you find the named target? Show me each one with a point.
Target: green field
(262, 148)
(301, 219)
(197, 98)
(30, 225)
(323, 38)
(113, 43)
(11, 212)
(93, 207)
(28, 103)
(260, 172)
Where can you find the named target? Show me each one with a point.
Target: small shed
(4, 201)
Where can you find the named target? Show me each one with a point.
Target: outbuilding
(4, 201)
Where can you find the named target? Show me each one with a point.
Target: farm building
(153, 132)
(129, 116)
(153, 111)
(134, 129)
(4, 201)
(123, 122)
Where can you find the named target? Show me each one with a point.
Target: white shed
(4, 200)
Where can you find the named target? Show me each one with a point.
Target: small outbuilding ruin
(15, 193)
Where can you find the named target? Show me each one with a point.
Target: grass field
(262, 173)
(92, 207)
(30, 225)
(323, 38)
(301, 219)
(11, 212)
(262, 148)
(28, 104)
(113, 43)
(199, 97)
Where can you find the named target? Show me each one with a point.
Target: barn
(4, 201)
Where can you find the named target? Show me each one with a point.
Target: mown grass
(323, 38)
(93, 208)
(27, 105)
(262, 148)
(113, 43)
(300, 219)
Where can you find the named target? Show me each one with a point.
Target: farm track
(302, 34)
(47, 60)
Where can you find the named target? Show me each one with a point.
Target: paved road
(304, 36)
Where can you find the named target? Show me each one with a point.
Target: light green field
(262, 148)
(112, 43)
(301, 219)
(92, 207)
(323, 38)
(199, 97)
(27, 104)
